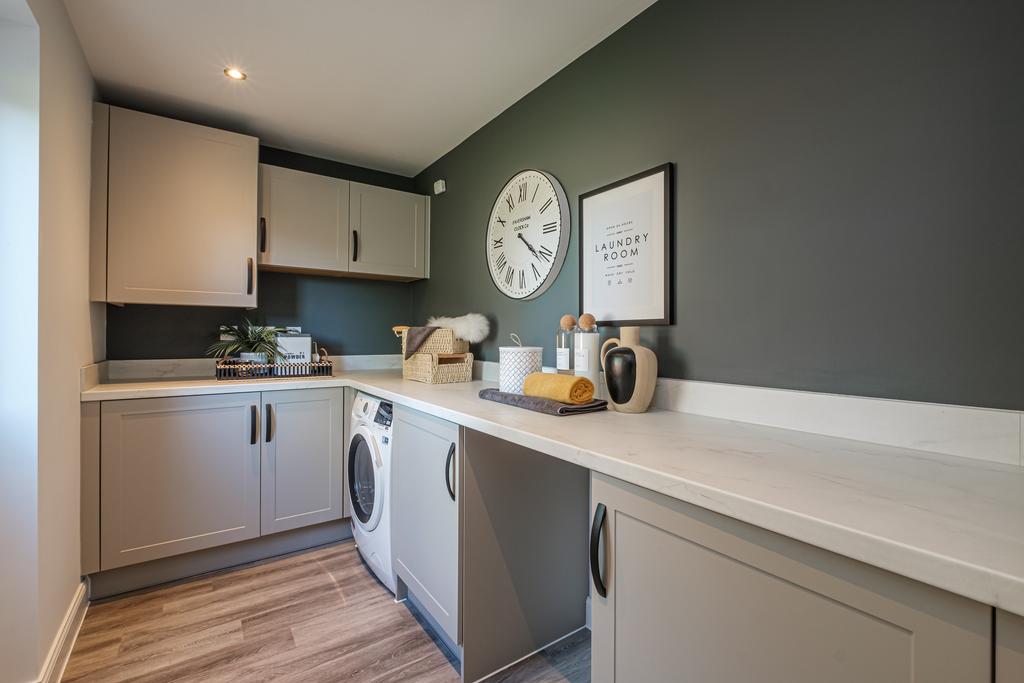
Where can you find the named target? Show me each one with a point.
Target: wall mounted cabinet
(303, 221)
(425, 515)
(681, 593)
(390, 232)
(318, 224)
(173, 212)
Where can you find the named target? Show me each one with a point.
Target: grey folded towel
(415, 337)
(542, 405)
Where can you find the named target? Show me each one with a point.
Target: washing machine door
(365, 478)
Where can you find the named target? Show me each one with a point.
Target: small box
(295, 348)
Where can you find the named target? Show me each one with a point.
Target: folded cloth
(561, 388)
(542, 405)
(415, 337)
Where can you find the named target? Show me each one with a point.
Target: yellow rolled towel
(563, 388)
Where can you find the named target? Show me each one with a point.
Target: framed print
(625, 248)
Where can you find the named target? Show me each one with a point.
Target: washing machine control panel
(383, 416)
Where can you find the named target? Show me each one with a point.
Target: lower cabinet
(1009, 649)
(303, 447)
(190, 473)
(680, 593)
(177, 475)
(425, 513)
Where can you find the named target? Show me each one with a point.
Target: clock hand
(528, 245)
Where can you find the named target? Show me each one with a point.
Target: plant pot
(253, 357)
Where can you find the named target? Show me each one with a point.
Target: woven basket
(439, 368)
(442, 340)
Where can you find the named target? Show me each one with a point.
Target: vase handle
(613, 340)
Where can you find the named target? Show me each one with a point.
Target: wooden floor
(315, 616)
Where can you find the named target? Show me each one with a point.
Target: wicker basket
(443, 340)
(227, 370)
(439, 368)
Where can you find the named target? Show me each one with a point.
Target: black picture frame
(669, 244)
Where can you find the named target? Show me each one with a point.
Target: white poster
(625, 242)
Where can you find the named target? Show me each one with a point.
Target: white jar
(587, 346)
(515, 363)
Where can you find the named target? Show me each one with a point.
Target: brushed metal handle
(254, 430)
(355, 245)
(595, 545)
(263, 235)
(447, 471)
(270, 422)
(248, 277)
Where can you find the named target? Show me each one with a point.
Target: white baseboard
(64, 642)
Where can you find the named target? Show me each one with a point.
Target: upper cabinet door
(389, 232)
(182, 203)
(303, 220)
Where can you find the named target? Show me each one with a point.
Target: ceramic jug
(630, 371)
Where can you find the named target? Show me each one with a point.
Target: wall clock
(528, 234)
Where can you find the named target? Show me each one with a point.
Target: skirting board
(986, 434)
(60, 651)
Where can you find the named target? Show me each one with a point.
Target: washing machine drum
(365, 479)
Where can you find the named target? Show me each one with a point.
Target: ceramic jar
(630, 372)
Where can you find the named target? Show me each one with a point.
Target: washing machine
(369, 483)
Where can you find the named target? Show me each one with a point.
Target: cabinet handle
(263, 235)
(595, 545)
(270, 422)
(248, 277)
(254, 430)
(355, 245)
(447, 471)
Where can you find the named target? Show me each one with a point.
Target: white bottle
(563, 345)
(587, 342)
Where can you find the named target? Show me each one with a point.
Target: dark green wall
(347, 316)
(848, 192)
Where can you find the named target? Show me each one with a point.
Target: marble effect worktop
(954, 523)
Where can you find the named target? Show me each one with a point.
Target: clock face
(528, 234)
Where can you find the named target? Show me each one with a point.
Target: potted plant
(253, 343)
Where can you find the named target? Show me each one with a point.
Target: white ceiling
(387, 84)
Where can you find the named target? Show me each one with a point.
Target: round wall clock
(528, 234)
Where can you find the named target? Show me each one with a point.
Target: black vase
(620, 373)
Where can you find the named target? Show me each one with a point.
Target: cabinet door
(303, 220)
(389, 229)
(181, 213)
(695, 596)
(1009, 647)
(425, 522)
(177, 475)
(303, 444)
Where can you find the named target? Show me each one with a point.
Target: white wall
(19, 230)
(70, 328)
(46, 94)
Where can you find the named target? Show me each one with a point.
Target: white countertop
(954, 523)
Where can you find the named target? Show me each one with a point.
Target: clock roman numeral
(508, 200)
(500, 261)
(546, 253)
(522, 193)
(550, 227)
(545, 206)
(509, 275)
(534, 197)
(497, 242)
(500, 220)
(522, 279)
(536, 273)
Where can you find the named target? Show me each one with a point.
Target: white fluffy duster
(473, 327)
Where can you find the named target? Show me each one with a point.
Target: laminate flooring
(317, 616)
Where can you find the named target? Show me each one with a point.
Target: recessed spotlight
(235, 74)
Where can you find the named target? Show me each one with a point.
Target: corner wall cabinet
(682, 593)
(319, 224)
(425, 514)
(390, 232)
(190, 473)
(173, 210)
